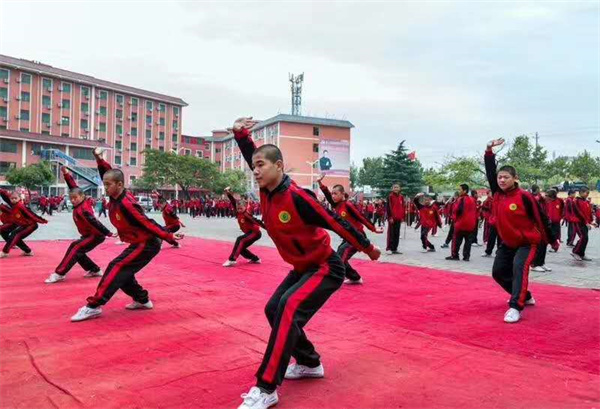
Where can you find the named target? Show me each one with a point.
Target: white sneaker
(229, 263)
(3, 254)
(530, 301)
(512, 315)
(425, 251)
(348, 281)
(139, 306)
(388, 252)
(54, 278)
(91, 274)
(255, 261)
(486, 255)
(119, 243)
(30, 254)
(86, 313)
(538, 269)
(295, 371)
(257, 399)
(575, 256)
(547, 268)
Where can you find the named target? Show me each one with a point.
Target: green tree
(528, 160)
(353, 176)
(397, 167)
(370, 172)
(236, 179)
(32, 176)
(585, 168)
(464, 169)
(557, 170)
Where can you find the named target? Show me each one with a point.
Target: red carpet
(409, 338)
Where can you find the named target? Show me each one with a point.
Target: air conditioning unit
(149, 125)
(101, 140)
(97, 96)
(59, 105)
(97, 112)
(5, 99)
(120, 119)
(158, 123)
(49, 89)
(158, 109)
(129, 103)
(157, 138)
(176, 115)
(47, 125)
(86, 114)
(17, 117)
(150, 111)
(18, 98)
(84, 137)
(58, 122)
(6, 81)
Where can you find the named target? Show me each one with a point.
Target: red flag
(412, 156)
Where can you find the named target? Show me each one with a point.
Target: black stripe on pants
(240, 248)
(18, 235)
(450, 233)
(493, 238)
(457, 241)
(511, 271)
(5, 231)
(77, 253)
(346, 251)
(295, 301)
(425, 243)
(571, 229)
(555, 228)
(582, 231)
(120, 273)
(393, 235)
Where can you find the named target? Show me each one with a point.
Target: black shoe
(431, 250)
(445, 246)
(452, 258)
(466, 259)
(396, 252)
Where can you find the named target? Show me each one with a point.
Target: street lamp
(312, 167)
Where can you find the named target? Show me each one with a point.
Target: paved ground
(565, 270)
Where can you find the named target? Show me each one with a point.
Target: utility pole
(537, 138)
(296, 85)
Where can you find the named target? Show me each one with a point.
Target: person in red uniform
(555, 208)
(570, 218)
(144, 236)
(465, 222)
(8, 224)
(521, 227)
(395, 213)
(92, 233)
(172, 221)
(428, 218)
(490, 233)
(296, 223)
(450, 217)
(26, 222)
(582, 208)
(250, 226)
(337, 198)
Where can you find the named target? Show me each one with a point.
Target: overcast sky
(445, 76)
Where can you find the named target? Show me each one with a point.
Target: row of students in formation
(209, 206)
(296, 222)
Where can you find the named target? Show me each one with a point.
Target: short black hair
(508, 169)
(115, 174)
(271, 152)
(162, 200)
(535, 189)
(571, 191)
(339, 187)
(583, 189)
(76, 191)
(465, 187)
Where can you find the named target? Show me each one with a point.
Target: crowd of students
(519, 224)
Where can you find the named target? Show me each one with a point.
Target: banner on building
(334, 157)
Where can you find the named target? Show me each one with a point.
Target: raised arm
(417, 201)
(103, 166)
(71, 183)
(326, 191)
(490, 164)
(241, 133)
(133, 211)
(230, 197)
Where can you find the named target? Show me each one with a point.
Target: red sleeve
(246, 145)
(357, 215)
(327, 194)
(27, 213)
(5, 196)
(134, 210)
(103, 166)
(232, 199)
(70, 181)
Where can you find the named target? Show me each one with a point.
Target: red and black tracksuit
(25, 222)
(582, 210)
(144, 236)
(347, 211)
(250, 226)
(92, 235)
(395, 213)
(296, 222)
(522, 227)
(465, 222)
(449, 210)
(571, 220)
(555, 209)
(490, 234)
(172, 222)
(429, 217)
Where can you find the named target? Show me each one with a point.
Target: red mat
(409, 338)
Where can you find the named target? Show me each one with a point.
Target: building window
(161, 136)
(174, 137)
(149, 119)
(161, 148)
(175, 125)
(24, 129)
(149, 105)
(133, 146)
(8, 146)
(5, 167)
(65, 120)
(315, 147)
(25, 96)
(117, 160)
(25, 78)
(120, 113)
(134, 102)
(47, 84)
(102, 126)
(134, 117)
(46, 132)
(120, 99)
(85, 91)
(84, 124)
(65, 134)
(118, 145)
(119, 129)
(81, 153)
(47, 101)
(162, 107)
(24, 115)
(162, 121)
(132, 178)
(3, 92)
(133, 161)
(102, 111)
(66, 104)
(176, 111)
(66, 87)
(3, 112)
(103, 95)
(85, 107)
(187, 152)
(148, 134)
(315, 130)
(3, 74)
(133, 131)
(218, 150)
(45, 118)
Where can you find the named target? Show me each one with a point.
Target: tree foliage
(397, 167)
(236, 179)
(32, 176)
(585, 168)
(370, 172)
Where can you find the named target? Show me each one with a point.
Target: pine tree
(398, 168)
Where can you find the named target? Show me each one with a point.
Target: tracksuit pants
(492, 239)
(295, 301)
(571, 231)
(172, 228)
(582, 231)
(393, 235)
(511, 271)
(120, 273)
(450, 233)
(425, 243)
(5, 231)
(77, 253)
(240, 248)
(555, 228)
(457, 240)
(17, 236)
(346, 251)
(540, 256)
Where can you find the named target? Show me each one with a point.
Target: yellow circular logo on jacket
(431, 212)
(242, 221)
(284, 217)
(18, 216)
(513, 206)
(558, 206)
(118, 216)
(344, 214)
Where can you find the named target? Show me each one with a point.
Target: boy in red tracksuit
(570, 218)
(250, 226)
(490, 234)
(347, 211)
(582, 209)
(555, 208)
(465, 222)
(92, 235)
(521, 227)
(429, 217)
(172, 221)
(134, 227)
(26, 222)
(296, 222)
(395, 213)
